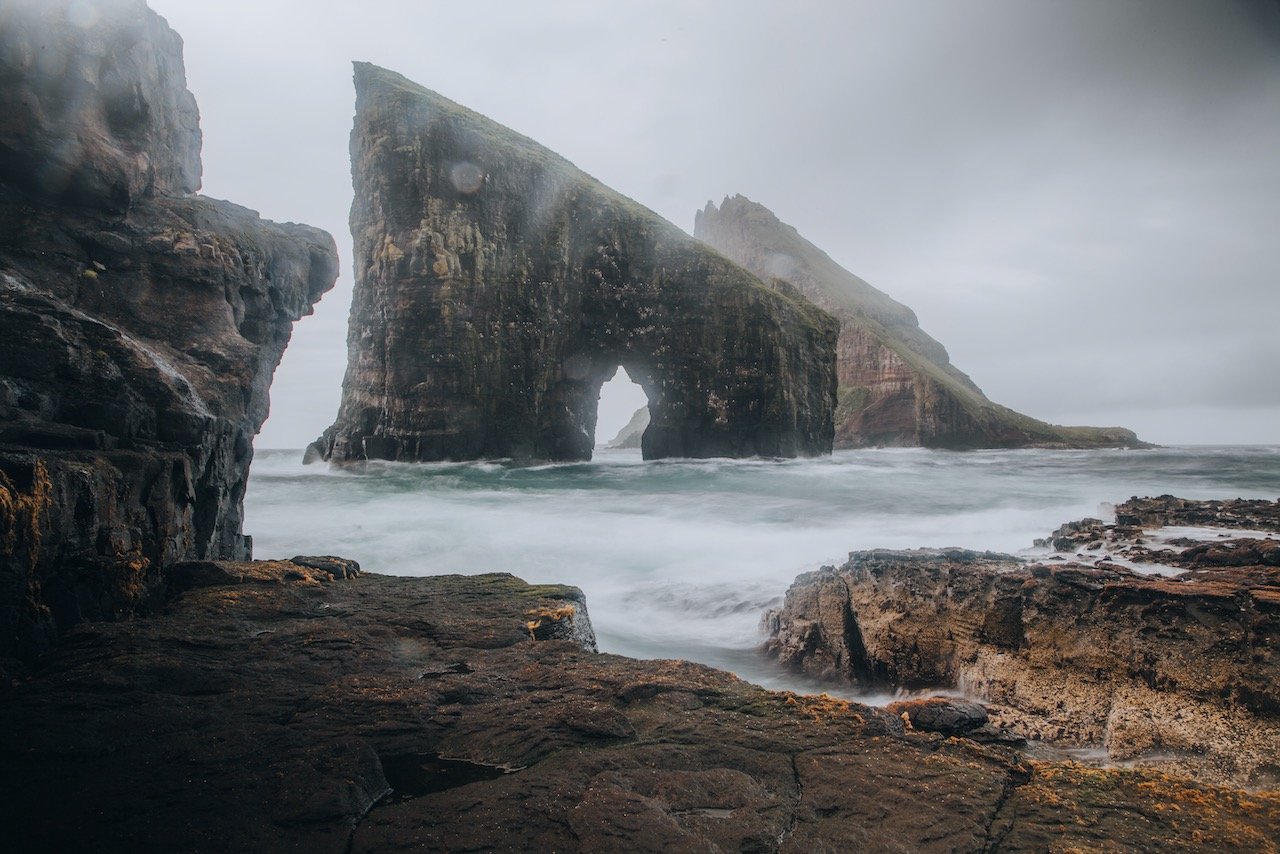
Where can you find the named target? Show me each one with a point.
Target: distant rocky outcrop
(275, 706)
(897, 386)
(498, 287)
(1161, 650)
(629, 436)
(139, 324)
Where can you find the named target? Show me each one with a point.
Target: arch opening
(622, 412)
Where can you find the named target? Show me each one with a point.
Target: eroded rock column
(498, 286)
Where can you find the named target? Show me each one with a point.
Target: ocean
(679, 559)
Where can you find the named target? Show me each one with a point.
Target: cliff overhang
(140, 324)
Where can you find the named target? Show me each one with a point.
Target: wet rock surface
(139, 324)
(1174, 664)
(1176, 534)
(1167, 510)
(897, 386)
(287, 711)
(95, 103)
(945, 715)
(498, 287)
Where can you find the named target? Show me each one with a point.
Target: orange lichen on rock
(823, 708)
(1178, 673)
(20, 513)
(540, 618)
(1207, 814)
(128, 574)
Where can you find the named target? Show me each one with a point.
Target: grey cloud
(1077, 198)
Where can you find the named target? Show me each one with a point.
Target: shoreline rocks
(1179, 671)
(300, 708)
(897, 386)
(308, 705)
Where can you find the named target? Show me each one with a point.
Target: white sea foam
(1170, 538)
(680, 558)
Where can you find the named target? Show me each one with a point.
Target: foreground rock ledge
(1180, 670)
(290, 706)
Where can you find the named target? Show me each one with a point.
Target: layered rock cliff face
(498, 287)
(139, 324)
(897, 386)
(1175, 661)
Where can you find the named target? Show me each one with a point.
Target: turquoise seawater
(679, 559)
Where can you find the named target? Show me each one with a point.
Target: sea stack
(498, 287)
(897, 386)
(140, 324)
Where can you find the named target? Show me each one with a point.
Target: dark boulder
(945, 715)
(338, 567)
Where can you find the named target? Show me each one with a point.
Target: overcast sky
(1079, 198)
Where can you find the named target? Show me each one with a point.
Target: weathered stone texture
(1177, 671)
(498, 287)
(94, 107)
(139, 325)
(289, 710)
(897, 386)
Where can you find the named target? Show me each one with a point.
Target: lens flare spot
(82, 15)
(466, 177)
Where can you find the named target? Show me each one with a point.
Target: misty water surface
(679, 559)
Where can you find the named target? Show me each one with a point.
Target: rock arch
(498, 286)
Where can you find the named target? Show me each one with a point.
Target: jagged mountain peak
(897, 385)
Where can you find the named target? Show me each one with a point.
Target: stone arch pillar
(497, 286)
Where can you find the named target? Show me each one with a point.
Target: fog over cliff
(1080, 200)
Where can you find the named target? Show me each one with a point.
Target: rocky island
(498, 287)
(1147, 638)
(631, 432)
(897, 386)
